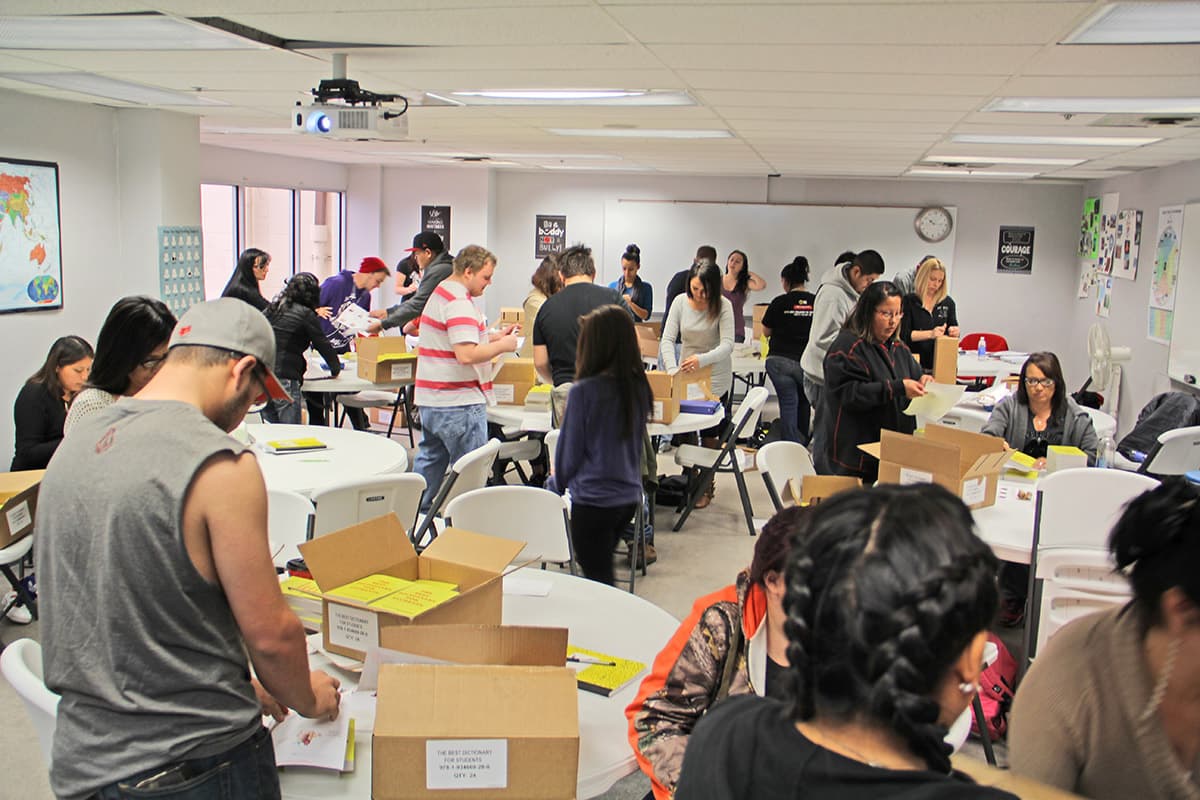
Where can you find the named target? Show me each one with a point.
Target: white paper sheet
(938, 399)
(378, 656)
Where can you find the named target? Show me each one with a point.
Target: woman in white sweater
(702, 323)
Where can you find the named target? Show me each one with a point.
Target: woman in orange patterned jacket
(732, 643)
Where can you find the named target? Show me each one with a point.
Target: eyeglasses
(890, 315)
(1045, 383)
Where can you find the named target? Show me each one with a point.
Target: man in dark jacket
(436, 265)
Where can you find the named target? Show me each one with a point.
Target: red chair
(970, 342)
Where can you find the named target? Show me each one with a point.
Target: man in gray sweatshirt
(436, 265)
(836, 297)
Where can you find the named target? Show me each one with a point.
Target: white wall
(121, 175)
(1146, 374)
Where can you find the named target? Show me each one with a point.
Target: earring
(968, 688)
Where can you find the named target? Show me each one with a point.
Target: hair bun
(633, 249)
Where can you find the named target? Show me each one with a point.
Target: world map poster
(30, 240)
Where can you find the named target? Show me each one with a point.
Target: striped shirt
(450, 318)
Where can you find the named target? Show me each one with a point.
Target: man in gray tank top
(143, 518)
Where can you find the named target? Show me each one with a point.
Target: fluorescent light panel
(100, 86)
(116, 32)
(572, 97)
(1097, 105)
(644, 133)
(968, 173)
(1140, 23)
(1045, 162)
(1077, 141)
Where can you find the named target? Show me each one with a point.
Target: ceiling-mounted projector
(349, 122)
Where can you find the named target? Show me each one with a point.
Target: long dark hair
(608, 346)
(885, 592)
(861, 319)
(743, 279)
(1156, 542)
(135, 327)
(243, 273)
(710, 279)
(302, 289)
(65, 350)
(795, 273)
(546, 278)
(776, 540)
(1047, 362)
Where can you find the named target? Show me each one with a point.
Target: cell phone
(171, 776)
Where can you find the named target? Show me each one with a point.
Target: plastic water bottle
(1105, 452)
(981, 351)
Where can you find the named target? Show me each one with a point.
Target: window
(300, 228)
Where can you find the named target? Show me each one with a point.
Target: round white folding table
(1007, 526)
(598, 617)
(538, 421)
(349, 454)
(969, 363)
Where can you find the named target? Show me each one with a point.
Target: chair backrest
(355, 501)
(995, 342)
(470, 472)
(747, 414)
(21, 665)
(1078, 507)
(780, 462)
(289, 523)
(1176, 452)
(1077, 582)
(519, 513)
(551, 441)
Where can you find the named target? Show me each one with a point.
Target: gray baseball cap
(234, 325)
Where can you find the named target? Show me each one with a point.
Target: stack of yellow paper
(370, 588)
(417, 598)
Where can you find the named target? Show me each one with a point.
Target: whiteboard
(1184, 359)
(771, 235)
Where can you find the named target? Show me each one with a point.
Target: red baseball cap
(373, 264)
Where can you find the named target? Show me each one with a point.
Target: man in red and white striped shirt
(454, 372)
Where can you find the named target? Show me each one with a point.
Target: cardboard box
(693, 385)
(462, 732)
(513, 379)
(510, 645)
(1060, 457)
(647, 338)
(815, 488)
(664, 408)
(760, 309)
(945, 360)
(968, 464)
(471, 560)
(384, 359)
(654, 328)
(18, 503)
(512, 316)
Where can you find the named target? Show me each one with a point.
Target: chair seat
(370, 398)
(693, 455)
(16, 551)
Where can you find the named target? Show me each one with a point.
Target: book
(303, 597)
(303, 445)
(302, 742)
(369, 589)
(1021, 467)
(602, 673)
(416, 598)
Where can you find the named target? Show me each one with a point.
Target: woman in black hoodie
(294, 320)
(870, 376)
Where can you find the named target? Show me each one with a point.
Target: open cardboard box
(968, 464)
(668, 389)
(473, 561)
(512, 316)
(815, 488)
(513, 379)
(18, 503)
(945, 360)
(460, 732)
(647, 337)
(384, 359)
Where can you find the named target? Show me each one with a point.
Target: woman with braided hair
(889, 597)
(1111, 707)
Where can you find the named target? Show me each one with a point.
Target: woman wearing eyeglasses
(130, 349)
(1041, 414)
(870, 377)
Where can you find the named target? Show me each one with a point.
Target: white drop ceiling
(849, 88)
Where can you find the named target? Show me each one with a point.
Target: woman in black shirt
(294, 319)
(889, 598)
(786, 324)
(251, 268)
(41, 406)
(929, 313)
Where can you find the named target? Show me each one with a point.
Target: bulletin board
(1184, 357)
(180, 268)
(771, 235)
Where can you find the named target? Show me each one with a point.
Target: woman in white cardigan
(702, 323)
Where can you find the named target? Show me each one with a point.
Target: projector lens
(319, 123)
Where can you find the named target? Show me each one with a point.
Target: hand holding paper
(938, 398)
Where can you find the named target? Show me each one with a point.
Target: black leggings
(594, 534)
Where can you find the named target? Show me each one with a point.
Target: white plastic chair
(469, 472)
(520, 513)
(1176, 452)
(375, 398)
(1076, 582)
(21, 665)
(1076, 509)
(351, 502)
(725, 459)
(780, 462)
(289, 523)
(551, 442)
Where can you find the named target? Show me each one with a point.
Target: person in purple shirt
(599, 454)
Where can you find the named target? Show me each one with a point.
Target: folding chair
(520, 513)
(289, 523)
(21, 665)
(467, 473)
(1076, 581)
(1176, 452)
(726, 459)
(780, 462)
(379, 399)
(351, 502)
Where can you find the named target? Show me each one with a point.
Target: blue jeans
(821, 433)
(447, 434)
(788, 380)
(285, 411)
(247, 770)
